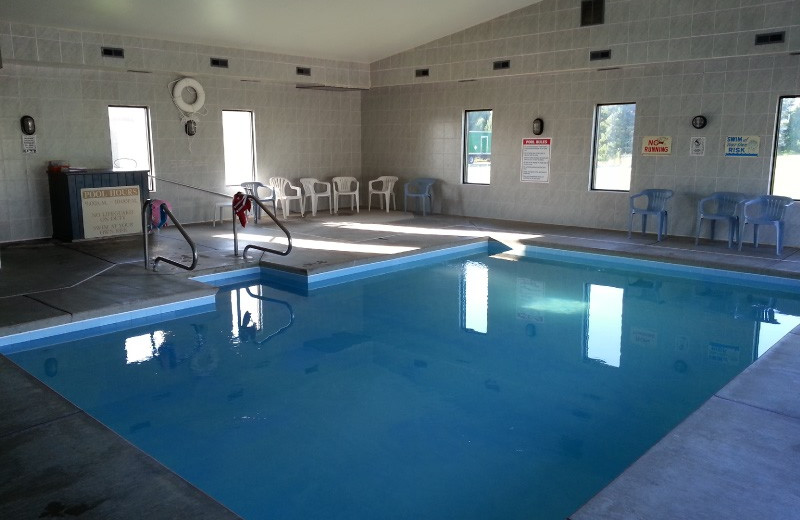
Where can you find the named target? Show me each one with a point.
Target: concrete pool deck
(736, 457)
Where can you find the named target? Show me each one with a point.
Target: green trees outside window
(786, 163)
(613, 147)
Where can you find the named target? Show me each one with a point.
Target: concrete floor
(736, 457)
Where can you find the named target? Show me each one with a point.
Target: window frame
(595, 136)
(464, 151)
(252, 145)
(151, 178)
(775, 141)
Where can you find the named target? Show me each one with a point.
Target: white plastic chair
(766, 209)
(386, 190)
(345, 186)
(251, 188)
(283, 189)
(310, 191)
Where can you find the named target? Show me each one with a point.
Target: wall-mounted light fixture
(191, 127)
(699, 122)
(28, 125)
(538, 126)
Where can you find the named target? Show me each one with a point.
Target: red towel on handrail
(241, 205)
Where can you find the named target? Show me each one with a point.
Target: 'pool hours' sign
(535, 160)
(111, 211)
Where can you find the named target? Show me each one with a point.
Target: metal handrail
(147, 212)
(253, 246)
(280, 302)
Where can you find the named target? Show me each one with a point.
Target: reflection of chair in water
(345, 186)
(385, 190)
(421, 189)
(760, 311)
(766, 209)
(310, 192)
(656, 206)
(721, 205)
(649, 290)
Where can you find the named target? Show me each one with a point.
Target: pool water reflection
(470, 388)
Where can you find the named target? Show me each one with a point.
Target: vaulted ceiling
(351, 30)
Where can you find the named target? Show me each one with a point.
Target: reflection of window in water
(771, 332)
(475, 297)
(604, 324)
(242, 304)
(139, 349)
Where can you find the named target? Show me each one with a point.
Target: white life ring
(177, 95)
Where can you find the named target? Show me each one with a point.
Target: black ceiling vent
(303, 71)
(501, 64)
(221, 63)
(592, 12)
(769, 38)
(112, 52)
(600, 55)
(422, 73)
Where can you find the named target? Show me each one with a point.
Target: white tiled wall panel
(677, 59)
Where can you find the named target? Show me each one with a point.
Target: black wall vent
(768, 38)
(303, 71)
(422, 73)
(502, 64)
(592, 12)
(112, 52)
(221, 63)
(600, 55)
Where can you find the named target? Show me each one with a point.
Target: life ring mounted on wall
(177, 95)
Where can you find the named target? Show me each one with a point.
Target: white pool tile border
(15, 342)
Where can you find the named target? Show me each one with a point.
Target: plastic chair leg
(630, 225)
(697, 230)
(755, 235)
(644, 223)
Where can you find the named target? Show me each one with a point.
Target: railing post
(146, 217)
(235, 236)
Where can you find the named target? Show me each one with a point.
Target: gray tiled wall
(547, 37)
(23, 43)
(412, 127)
(298, 132)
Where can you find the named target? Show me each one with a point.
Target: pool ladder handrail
(286, 304)
(254, 200)
(147, 212)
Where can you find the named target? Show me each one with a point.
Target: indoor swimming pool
(480, 387)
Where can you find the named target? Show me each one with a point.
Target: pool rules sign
(535, 160)
(109, 212)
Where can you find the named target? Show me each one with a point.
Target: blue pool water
(474, 388)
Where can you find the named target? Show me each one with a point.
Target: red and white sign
(657, 145)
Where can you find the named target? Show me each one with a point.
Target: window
(240, 157)
(603, 342)
(786, 163)
(477, 146)
(131, 147)
(613, 147)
